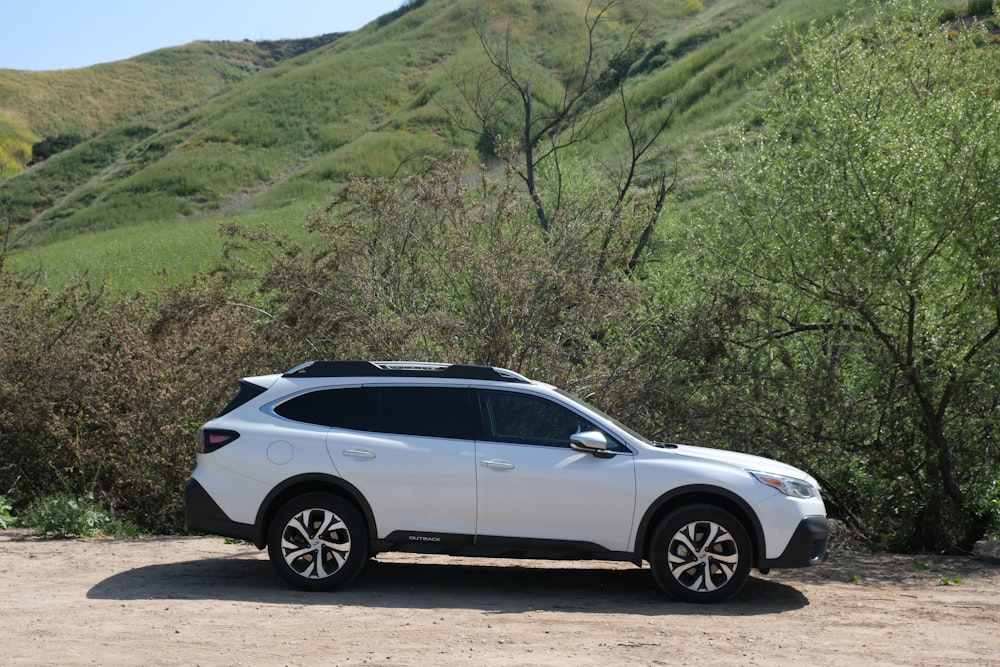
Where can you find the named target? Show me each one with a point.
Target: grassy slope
(94, 99)
(15, 145)
(151, 195)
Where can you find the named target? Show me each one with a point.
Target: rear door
(416, 463)
(532, 485)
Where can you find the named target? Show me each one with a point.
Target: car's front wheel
(700, 553)
(317, 542)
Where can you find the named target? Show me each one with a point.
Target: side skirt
(489, 546)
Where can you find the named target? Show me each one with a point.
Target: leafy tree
(9, 236)
(6, 223)
(432, 266)
(860, 223)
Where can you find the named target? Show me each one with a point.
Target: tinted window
(353, 408)
(439, 412)
(526, 419)
(248, 391)
(521, 418)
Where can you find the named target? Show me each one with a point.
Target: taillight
(211, 439)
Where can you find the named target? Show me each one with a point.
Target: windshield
(601, 413)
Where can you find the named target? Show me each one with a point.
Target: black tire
(317, 542)
(700, 553)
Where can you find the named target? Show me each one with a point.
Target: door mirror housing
(592, 442)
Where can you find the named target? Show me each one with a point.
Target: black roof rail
(326, 368)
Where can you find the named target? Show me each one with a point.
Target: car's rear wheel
(317, 542)
(701, 553)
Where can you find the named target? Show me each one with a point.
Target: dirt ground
(200, 601)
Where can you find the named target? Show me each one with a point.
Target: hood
(744, 461)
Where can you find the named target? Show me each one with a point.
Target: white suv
(336, 461)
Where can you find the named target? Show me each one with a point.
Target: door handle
(497, 465)
(359, 453)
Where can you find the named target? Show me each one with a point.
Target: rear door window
(437, 412)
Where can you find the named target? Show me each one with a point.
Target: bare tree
(500, 98)
(643, 165)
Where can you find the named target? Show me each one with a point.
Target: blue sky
(66, 34)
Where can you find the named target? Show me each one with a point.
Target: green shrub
(63, 514)
(981, 8)
(6, 520)
(49, 146)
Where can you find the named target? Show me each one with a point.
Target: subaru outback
(334, 462)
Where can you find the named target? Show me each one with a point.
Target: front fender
(699, 493)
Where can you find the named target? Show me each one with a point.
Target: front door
(532, 485)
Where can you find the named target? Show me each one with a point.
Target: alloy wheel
(315, 543)
(703, 556)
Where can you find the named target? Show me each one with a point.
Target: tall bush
(860, 230)
(100, 396)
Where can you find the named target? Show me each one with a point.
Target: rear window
(353, 408)
(248, 391)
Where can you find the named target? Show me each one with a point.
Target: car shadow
(506, 589)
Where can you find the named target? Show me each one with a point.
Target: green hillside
(243, 141)
(84, 102)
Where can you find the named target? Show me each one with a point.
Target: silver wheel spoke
(328, 519)
(706, 579)
(318, 570)
(686, 541)
(731, 558)
(293, 552)
(728, 571)
(682, 566)
(710, 538)
(339, 557)
(337, 547)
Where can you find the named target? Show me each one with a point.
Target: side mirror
(592, 442)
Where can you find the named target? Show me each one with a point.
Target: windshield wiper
(664, 445)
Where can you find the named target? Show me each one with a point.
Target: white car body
(479, 495)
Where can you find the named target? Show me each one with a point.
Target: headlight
(789, 486)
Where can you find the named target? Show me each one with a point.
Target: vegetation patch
(65, 515)
(819, 285)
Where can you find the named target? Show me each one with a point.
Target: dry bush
(101, 396)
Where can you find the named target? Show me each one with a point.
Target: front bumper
(808, 545)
